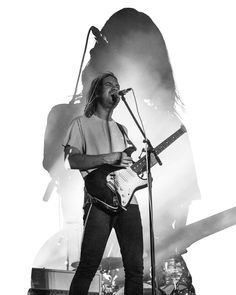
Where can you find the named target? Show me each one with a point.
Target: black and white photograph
(118, 147)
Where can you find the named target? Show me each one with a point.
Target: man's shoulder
(85, 123)
(79, 119)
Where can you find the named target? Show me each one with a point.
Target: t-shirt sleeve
(74, 137)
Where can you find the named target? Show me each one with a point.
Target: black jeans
(128, 228)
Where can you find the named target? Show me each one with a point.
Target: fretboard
(140, 165)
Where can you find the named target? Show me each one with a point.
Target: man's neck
(103, 114)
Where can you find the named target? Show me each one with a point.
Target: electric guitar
(112, 187)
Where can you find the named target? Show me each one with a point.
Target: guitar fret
(140, 165)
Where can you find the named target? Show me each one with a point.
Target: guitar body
(112, 187)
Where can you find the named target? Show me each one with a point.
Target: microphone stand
(149, 150)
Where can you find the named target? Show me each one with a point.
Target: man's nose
(115, 88)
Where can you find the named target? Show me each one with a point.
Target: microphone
(98, 35)
(115, 96)
(124, 91)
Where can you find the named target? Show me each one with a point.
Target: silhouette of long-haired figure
(137, 53)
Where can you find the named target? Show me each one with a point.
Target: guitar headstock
(183, 128)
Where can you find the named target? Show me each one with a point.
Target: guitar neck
(140, 165)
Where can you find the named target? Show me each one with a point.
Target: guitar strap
(125, 135)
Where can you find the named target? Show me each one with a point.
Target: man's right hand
(118, 158)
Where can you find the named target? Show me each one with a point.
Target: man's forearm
(85, 162)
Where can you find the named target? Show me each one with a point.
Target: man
(93, 140)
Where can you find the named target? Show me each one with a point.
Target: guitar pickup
(111, 176)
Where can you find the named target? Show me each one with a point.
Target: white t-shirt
(94, 136)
